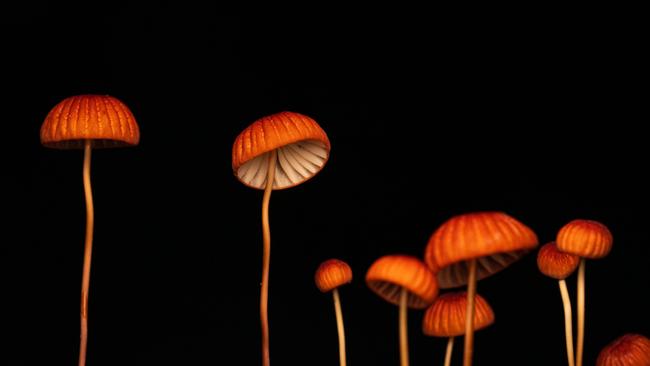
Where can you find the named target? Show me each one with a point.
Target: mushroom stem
(450, 348)
(339, 326)
(403, 333)
(85, 282)
(266, 259)
(581, 312)
(469, 316)
(566, 301)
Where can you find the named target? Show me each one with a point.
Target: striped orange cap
(331, 274)
(446, 316)
(389, 274)
(102, 119)
(302, 150)
(585, 238)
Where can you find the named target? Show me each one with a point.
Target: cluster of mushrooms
(285, 149)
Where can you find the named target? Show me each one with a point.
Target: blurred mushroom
(473, 246)
(277, 152)
(560, 265)
(586, 239)
(329, 276)
(628, 350)
(87, 122)
(446, 317)
(405, 281)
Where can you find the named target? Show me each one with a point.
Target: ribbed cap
(555, 263)
(446, 316)
(585, 238)
(302, 150)
(331, 274)
(102, 119)
(389, 274)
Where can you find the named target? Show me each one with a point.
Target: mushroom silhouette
(560, 265)
(586, 239)
(446, 317)
(405, 281)
(87, 122)
(330, 275)
(628, 350)
(277, 152)
(473, 246)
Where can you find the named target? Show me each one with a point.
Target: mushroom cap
(102, 119)
(390, 273)
(302, 150)
(555, 263)
(331, 274)
(628, 350)
(494, 239)
(446, 316)
(585, 238)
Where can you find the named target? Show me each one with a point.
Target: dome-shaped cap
(102, 119)
(628, 350)
(555, 263)
(494, 239)
(446, 316)
(585, 238)
(302, 150)
(389, 274)
(331, 274)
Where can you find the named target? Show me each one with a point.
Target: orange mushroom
(277, 152)
(447, 315)
(560, 265)
(405, 281)
(87, 122)
(473, 246)
(586, 239)
(330, 275)
(628, 350)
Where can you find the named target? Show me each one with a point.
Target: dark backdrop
(430, 114)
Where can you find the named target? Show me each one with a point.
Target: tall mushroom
(277, 152)
(628, 350)
(586, 239)
(447, 315)
(560, 265)
(87, 122)
(469, 247)
(405, 281)
(329, 276)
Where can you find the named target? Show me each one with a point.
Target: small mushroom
(628, 350)
(329, 276)
(473, 246)
(87, 122)
(447, 315)
(560, 265)
(586, 239)
(405, 281)
(277, 152)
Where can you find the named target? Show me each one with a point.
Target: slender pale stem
(85, 282)
(581, 312)
(266, 259)
(339, 326)
(450, 348)
(403, 332)
(469, 315)
(568, 330)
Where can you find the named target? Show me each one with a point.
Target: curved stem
(450, 348)
(403, 333)
(568, 331)
(339, 326)
(266, 259)
(85, 282)
(581, 312)
(469, 315)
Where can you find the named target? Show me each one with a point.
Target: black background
(430, 114)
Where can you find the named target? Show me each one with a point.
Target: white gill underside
(296, 163)
(456, 275)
